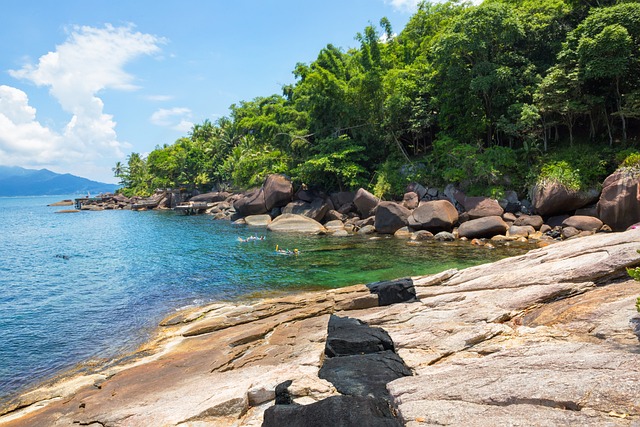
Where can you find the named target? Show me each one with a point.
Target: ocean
(81, 288)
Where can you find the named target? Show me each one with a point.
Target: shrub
(635, 274)
(560, 172)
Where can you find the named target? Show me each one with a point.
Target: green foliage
(631, 161)
(336, 163)
(560, 172)
(635, 274)
(490, 97)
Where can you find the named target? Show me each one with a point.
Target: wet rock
(365, 374)
(348, 337)
(335, 411)
(422, 235)
(393, 291)
(444, 236)
(521, 230)
(403, 233)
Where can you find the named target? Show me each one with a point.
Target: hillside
(16, 181)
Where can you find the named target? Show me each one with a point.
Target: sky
(83, 83)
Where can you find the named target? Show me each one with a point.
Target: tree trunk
(622, 117)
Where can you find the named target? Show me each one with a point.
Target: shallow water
(92, 285)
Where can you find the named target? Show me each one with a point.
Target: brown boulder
(437, 215)
(488, 226)
(480, 207)
(390, 217)
(315, 210)
(342, 198)
(251, 203)
(292, 223)
(365, 202)
(534, 221)
(410, 200)
(278, 191)
(553, 199)
(212, 197)
(583, 223)
(619, 204)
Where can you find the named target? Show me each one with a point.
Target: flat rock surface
(544, 339)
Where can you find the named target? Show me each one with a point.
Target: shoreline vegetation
(220, 364)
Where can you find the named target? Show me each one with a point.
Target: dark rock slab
(334, 411)
(393, 291)
(364, 374)
(347, 336)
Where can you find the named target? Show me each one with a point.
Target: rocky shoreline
(546, 338)
(553, 214)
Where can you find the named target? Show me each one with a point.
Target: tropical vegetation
(495, 96)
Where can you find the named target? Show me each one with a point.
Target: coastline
(229, 357)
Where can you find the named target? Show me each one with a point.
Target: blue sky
(85, 83)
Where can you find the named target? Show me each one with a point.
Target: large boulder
(619, 204)
(479, 207)
(435, 216)
(488, 226)
(293, 223)
(554, 199)
(365, 202)
(251, 203)
(583, 223)
(278, 191)
(342, 198)
(390, 217)
(534, 221)
(335, 411)
(315, 210)
(258, 220)
(213, 197)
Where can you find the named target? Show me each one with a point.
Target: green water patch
(325, 262)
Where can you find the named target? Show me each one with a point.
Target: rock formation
(546, 338)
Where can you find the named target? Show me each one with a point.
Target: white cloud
(177, 118)
(404, 5)
(91, 60)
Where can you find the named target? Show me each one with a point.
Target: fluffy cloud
(91, 60)
(22, 139)
(175, 118)
(404, 5)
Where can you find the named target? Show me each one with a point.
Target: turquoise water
(93, 285)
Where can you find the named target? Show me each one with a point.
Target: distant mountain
(16, 181)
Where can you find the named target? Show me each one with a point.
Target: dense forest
(492, 97)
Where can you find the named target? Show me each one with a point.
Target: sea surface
(79, 288)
